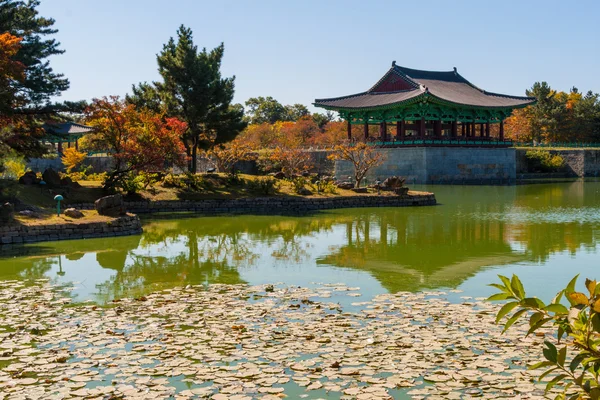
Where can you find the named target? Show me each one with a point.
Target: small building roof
(401, 85)
(66, 129)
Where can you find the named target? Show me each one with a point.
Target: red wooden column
(481, 132)
(437, 129)
(487, 129)
(349, 130)
(454, 132)
(383, 131)
(77, 144)
(501, 136)
(422, 128)
(59, 148)
(366, 130)
(463, 129)
(468, 128)
(402, 128)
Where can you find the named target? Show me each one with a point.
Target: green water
(546, 233)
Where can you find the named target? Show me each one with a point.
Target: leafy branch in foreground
(577, 329)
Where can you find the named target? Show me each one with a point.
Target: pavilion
(66, 132)
(427, 108)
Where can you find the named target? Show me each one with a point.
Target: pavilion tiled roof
(400, 85)
(66, 128)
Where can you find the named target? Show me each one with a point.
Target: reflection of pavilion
(404, 253)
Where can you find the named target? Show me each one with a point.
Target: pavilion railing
(569, 145)
(443, 142)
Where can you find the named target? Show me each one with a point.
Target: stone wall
(17, 234)
(578, 162)
(441, 165)
(275, 205)
(100, 164)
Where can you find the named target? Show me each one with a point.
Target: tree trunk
(194, 166)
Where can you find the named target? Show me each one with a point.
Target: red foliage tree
(139, 140)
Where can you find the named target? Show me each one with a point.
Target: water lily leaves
(240, 342)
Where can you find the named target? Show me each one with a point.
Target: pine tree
(193, 90)
(21, 19)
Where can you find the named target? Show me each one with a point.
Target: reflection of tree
(551, 218)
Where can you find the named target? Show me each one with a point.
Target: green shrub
(264, 185)
(149, 179)
(572, 356)
(299, 183)
(130, 183)
(324, 186)
(544, 161)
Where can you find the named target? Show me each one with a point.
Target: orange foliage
(362, 156)
(290, 161)
(72, 158)
(139, 140)
(517, 127)
(226, 156)
(9, 46)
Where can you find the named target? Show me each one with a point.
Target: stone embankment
(121, 226)
(275, 205)
(131, 225)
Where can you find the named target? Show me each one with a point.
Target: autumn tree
(193, 90)
(72, 158)
(290, 161)
(226, 156)
(139, 140)
(362, 156)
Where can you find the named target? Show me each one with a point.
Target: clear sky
(297, 51)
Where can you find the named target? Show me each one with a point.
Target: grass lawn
(49, 217)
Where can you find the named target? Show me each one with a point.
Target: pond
(545, 233)
(364, 303)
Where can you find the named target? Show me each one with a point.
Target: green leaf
(558, 297)
(533, 302)
(499, 296)
(513, 319)
(508, 307)
(557, 309)
(537, 325)
(561, 332)
(550, 352)
(571, 286)
(554, 381)
(517, 287)
(543, 375)
(541, 364)
(498, 286)
(596, 322)
(576, 361)
(535, 318)
(562, 356)
(506, 282)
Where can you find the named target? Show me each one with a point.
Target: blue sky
(297, 51)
